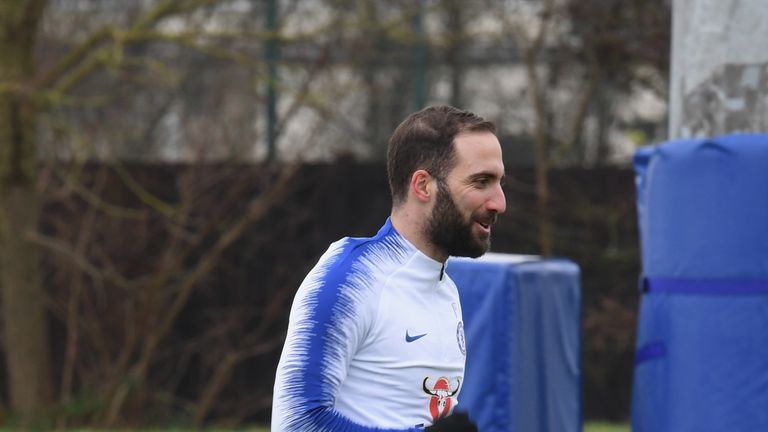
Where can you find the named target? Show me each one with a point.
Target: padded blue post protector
(702, 346)
(522, 327)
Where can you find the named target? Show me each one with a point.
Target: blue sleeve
(327, 324)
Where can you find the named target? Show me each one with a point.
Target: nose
(497, 202)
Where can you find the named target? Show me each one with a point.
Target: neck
(412, 227)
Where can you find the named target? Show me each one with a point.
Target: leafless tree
(100, 89)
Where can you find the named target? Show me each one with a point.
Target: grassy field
(606, 427)
(588, 427)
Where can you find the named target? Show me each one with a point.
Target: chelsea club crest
(460, 338)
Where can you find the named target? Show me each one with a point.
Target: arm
(329, 320)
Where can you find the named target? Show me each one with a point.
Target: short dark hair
(424, 140)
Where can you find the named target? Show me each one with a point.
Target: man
(376, 339)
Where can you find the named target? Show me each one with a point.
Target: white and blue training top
(375, 341)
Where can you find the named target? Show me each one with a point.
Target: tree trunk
(24, 324)
(543, 124)
(542, 145)
(455, 11)
(23, 300)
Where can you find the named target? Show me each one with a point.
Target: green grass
(605, 427)
(588, 427)
(169, 429)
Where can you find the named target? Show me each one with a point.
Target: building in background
(326, 79)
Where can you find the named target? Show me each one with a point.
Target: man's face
(470, 198)
(450, 231)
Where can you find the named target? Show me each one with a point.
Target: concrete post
(719, 76)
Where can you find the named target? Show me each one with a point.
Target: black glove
(457, 422)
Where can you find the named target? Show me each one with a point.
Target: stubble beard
(450, 232)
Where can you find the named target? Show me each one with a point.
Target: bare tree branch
(96, 272)
(256, 210)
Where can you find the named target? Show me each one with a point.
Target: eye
(482, 181)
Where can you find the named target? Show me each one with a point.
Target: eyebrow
(482, 174)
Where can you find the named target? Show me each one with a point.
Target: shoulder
(357, 261)
(352, 272)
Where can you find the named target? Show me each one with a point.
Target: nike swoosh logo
(409, 338)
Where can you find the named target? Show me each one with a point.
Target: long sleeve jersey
(375, 341)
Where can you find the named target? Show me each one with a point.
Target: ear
(421, 185)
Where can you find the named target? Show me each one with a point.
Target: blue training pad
(702, 344)
(521, 320)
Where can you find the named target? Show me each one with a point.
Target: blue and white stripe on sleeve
(330, 317)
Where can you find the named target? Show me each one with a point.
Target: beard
(448, 230)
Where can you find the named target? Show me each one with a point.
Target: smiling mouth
(486, 222)
(485, 227)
